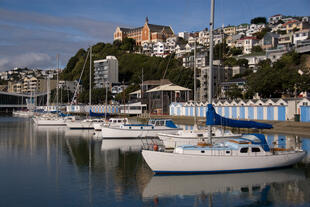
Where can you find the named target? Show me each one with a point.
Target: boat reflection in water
(79, 133)
(121, 144)
(256, 185)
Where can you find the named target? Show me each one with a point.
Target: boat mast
(57, 89)
(210, 80)
(90, 76)
(195, 91)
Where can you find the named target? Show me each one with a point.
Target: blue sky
(33, 32)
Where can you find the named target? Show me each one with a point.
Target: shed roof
(168, 87)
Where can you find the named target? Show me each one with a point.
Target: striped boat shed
(262, 109)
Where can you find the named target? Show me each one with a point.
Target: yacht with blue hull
(151, 129)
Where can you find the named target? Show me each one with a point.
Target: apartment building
(106, 71)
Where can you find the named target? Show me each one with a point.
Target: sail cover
(97, 114)
(214, 119)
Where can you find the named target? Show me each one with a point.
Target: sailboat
(86, 123)
(248, 153)
(193, 136)
(50, 119)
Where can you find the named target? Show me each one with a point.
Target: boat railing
(152, 143)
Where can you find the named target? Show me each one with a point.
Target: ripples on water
(52, 166)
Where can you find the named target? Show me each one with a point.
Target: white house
(275, 18)
(254, 28)
(247, 43)
(301, 35)
(184, 35)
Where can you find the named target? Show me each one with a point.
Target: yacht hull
(175, 163)
(121, 133)
(49, 122)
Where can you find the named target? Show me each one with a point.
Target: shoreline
(279, 127)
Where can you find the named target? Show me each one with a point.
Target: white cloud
(34, 40)
(30, 60)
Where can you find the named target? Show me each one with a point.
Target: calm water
(52, 166)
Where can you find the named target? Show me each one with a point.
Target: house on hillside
(270, 40)
(247, 44)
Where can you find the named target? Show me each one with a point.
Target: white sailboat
(86, 123)
(115, 122)
(135, 131)
(50, 119)
(250, 153)
(193, 136)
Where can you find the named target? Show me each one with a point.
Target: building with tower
(148, 33)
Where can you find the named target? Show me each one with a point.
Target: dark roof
(159, 28)
(156, 82)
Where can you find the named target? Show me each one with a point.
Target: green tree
(243, 63)
(220, 51)
(231, 62)
(234, 92)
(234, 51)
(261, 34)
(280, 78)
(128, 44)
(257, 49)
(259, 20)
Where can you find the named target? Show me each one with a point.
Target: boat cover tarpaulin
(214, 119)
(97, 114)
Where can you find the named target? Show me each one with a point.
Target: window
(244, 150)
(255, 149)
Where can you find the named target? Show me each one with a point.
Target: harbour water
(53, 166)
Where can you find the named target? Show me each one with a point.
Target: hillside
(130, 66)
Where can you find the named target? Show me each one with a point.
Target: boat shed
(160, 97)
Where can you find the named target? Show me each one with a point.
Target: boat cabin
(233, 147)
(162, 122)
(118, 121)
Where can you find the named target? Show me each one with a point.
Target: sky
(33, 32)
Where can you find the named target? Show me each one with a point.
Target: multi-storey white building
(184, 35)
(301, 35)
(254, 28)
(275, 18)
(247, 43)
(106, 71)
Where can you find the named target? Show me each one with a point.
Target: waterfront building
(15, 87)
(253, 109)
(106, 71)
(148, 33)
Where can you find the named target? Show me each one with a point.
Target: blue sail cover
(214, 119)
(97, 114)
